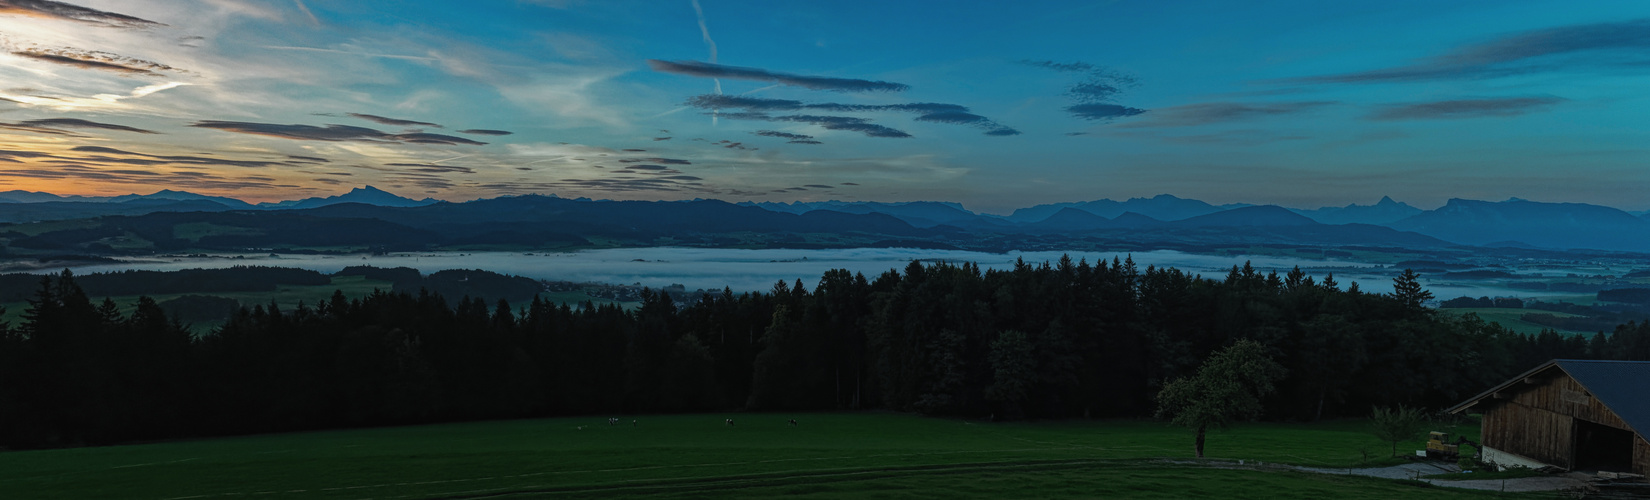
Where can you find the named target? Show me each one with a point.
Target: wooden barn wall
(1535, 433)
(1537, 421)
(1641, 455)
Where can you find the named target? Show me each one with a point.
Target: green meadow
(1512, 319)
(833, 455)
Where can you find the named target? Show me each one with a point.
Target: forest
(1045, 341)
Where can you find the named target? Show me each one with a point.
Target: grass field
(852, 455)
(1509, 318)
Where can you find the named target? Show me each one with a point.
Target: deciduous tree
(1226, 389)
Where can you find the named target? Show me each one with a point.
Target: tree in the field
(1408, 290)
(1226, 389)
(1396, 425)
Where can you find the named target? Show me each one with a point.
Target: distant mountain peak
(368, 195)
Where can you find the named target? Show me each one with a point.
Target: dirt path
(1417, 470)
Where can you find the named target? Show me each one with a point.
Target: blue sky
(994, 105)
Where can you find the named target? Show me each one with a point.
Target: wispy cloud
(710, 70)
(781, 135)
(1466, 108)
(332, 133)
(79, 123)
(1618, 44)
(94, 60)
(710, 101)
(313, 21)
(845, 123)
(1102, 111)
(928, 111)
(434, 168)
(95, 102)
(23, 127)
(483, 131)
(394, 121)
(59, 10)
(1220, 112)
(1096, 93)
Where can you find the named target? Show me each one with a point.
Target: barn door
(1601, 447)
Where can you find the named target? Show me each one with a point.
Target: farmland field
(840, 455)
(1513, 318)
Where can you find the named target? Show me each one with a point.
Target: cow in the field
(730, 422)
(793, 421)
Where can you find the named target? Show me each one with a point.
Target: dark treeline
(453, 283)
(17, 286)
(1036, 341)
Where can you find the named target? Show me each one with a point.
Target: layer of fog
(758, 270)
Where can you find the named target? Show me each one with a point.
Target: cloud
(929, 111)
(426, 138)
(60, 10)
(309, 158)
(803, 141)
(1093, 91)
(676, 183)
(1102, 111)
(433, 168)
(149, 159)
(1094, 94)
(78, 123)
(483, 131)
(1071, 67)
(661, 138)
(956, 117)
(95, 102)
(666, 161)
(1543, 50)
(74, 171)
(1220, 112)
(1465, 108)
(847, 123)
(719, 101)
(709, 70)
(393, 121)
(95, 60)
(332, 133)
(782, 135)
(23, 127)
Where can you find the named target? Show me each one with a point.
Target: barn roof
(1623, 386)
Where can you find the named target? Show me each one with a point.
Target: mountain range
(1513, 223)
(366, 194)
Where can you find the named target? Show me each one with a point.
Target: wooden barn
(1573, 414)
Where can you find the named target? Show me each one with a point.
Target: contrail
(705, 30)
(305, 9)
(451, 159)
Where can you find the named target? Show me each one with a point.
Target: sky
(995, 105)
